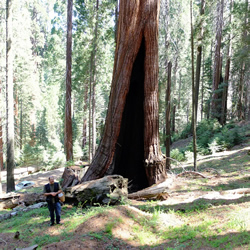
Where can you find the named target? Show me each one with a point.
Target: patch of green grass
(98, 236)
(217, 242)
(112, 224)
(45, 239)
(30, 190)
(144, 235)
(239, 220)
(30, 218)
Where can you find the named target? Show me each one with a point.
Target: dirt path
(40, 178)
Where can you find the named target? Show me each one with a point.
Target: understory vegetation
(198, 215)
(211, 138)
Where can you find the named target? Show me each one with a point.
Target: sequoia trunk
(130, 144)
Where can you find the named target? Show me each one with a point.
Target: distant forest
(206, 42)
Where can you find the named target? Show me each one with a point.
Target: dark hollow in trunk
(129, 154)
(130, 145)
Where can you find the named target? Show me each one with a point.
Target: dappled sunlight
(40, 178)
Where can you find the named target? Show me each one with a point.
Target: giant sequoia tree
(130, 145)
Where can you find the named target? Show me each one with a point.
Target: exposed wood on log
(12, 200)
(28, 248)
(155, 192)
(107, 190)
(72, 176)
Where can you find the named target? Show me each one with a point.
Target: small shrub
(215, 147)
(177, 155)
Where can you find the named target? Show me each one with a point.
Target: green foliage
(48, 158)
(177, 154)
(212, 137)
(186, 132)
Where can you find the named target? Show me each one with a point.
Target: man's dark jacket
(49, 197)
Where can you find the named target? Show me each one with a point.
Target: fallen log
(28, 248)
(12, 200)
(156, 192)
(110, 189)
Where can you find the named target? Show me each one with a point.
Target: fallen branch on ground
(192, 173)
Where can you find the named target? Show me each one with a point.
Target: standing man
(51, 191)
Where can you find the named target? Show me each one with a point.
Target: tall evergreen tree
(216, 101)
(131, 136)
(68, 118)
(9, 99)
(193, 89)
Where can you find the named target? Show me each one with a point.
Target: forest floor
(201, 213)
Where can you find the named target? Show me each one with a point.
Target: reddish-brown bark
(131, 139)
(68, 119)
(216, 105)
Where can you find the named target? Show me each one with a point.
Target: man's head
(51, 179)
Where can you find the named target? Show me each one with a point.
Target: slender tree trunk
(211, 80)
(240, 105)
(166, 26)
(16, 118)
(193, 89)
(168, 122)
(21, 126)
(187, 113)
(1, 139)
(68, 117)
(241, 93)
(90, 108)
(32, 141)
(202, 88)
(9, 100)
(1, 132)
(85, 107)
(227, 71)
(179, 95)
(215, 105)
(199, 56)
(131, 136)
(173, 119)
(94, 50)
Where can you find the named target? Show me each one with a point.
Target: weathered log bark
(107, 190)
(72, 176)
(151, 193)
(13, 200)
(131, 138)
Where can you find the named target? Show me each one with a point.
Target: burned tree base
(107, 190)
(72, 176)
(155, 171)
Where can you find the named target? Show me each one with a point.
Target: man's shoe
(52, 224)
(59, 223)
